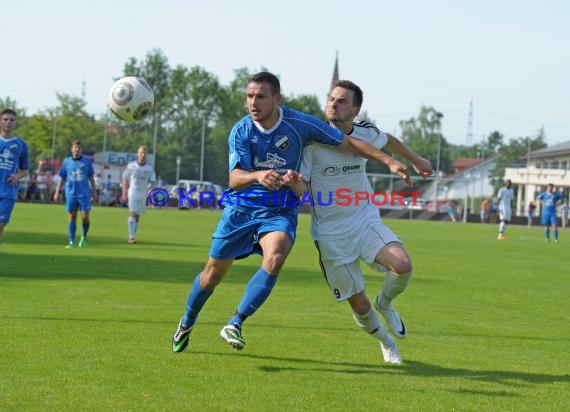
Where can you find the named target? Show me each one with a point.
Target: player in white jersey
(344, 235)
(137, 180)
(505, 198)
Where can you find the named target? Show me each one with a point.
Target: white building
(548, 165)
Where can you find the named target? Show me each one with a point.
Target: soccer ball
(131, 98)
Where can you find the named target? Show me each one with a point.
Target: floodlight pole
(106, 130)
(178, 161)
(436, 188)
(202, 148)
(154, 137)
(53, 136)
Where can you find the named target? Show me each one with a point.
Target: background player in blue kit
(77, 174)
(14, 165)
(548, 218)
(258, 216)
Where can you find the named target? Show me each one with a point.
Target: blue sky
(511, 57)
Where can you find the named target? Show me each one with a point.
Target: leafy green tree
(50, 132)
(304, 103)
(494, 141)
(515, 152)
(8, 103)
(423, 135)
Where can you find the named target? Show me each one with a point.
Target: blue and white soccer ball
(131, 98)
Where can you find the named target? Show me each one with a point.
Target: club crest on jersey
(331, 171)
(282, 142)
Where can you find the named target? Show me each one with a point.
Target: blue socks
(256, 292)
(71, 228)
(195, 302)
(85, 229)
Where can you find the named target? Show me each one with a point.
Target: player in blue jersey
(259, 215)
(77, 173)
(14, 165)
(548, 218)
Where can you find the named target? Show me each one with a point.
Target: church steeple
(335, 71)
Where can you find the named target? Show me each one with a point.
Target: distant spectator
(493, 211)
(530, 212)
(107, 184)
(43, 189)
(451, 212)
(32, 191)
(98, 184)
(564, 214)
(485, 209)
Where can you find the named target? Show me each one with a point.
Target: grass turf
(90, 328)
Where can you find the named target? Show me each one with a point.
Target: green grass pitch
(90, 329)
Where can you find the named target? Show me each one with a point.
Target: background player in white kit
(136, 180)
(345, 234)
(505, 197)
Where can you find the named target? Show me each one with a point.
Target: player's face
(141, 156)
(340, 106)
(7, 124)
(262, 104)
(76, 151)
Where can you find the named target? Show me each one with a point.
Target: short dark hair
(347, 84)
(269, 78)
(76, 142)
(8, 111)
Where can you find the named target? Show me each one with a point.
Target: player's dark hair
(269, 78)
(76, 142)
(8, 111)
(347, 84)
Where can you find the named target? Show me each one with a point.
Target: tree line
(190, 102)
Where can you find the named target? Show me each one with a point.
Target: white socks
(502, 226)
(394, 284)
(133, 224)
(370, 322)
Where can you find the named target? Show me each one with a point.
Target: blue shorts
(549, 219)
(73, 204)
(6, 206)
(237, 234)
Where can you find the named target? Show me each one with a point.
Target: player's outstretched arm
(365, 149)
(421, 165)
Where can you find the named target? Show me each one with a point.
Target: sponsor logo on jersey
(351, 169)
(331, 171)
(273, 161)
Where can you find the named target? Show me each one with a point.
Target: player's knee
(360, 304)
(211, 276)
(273, 262)
(401, 266)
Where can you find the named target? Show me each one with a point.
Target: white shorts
(505, 214)
(340, 259)
(137, 204)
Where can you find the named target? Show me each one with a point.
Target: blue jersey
(13, 156)
(549, 201)
(278, 149)
(76, 173)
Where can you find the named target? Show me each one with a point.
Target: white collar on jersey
(275, 126)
